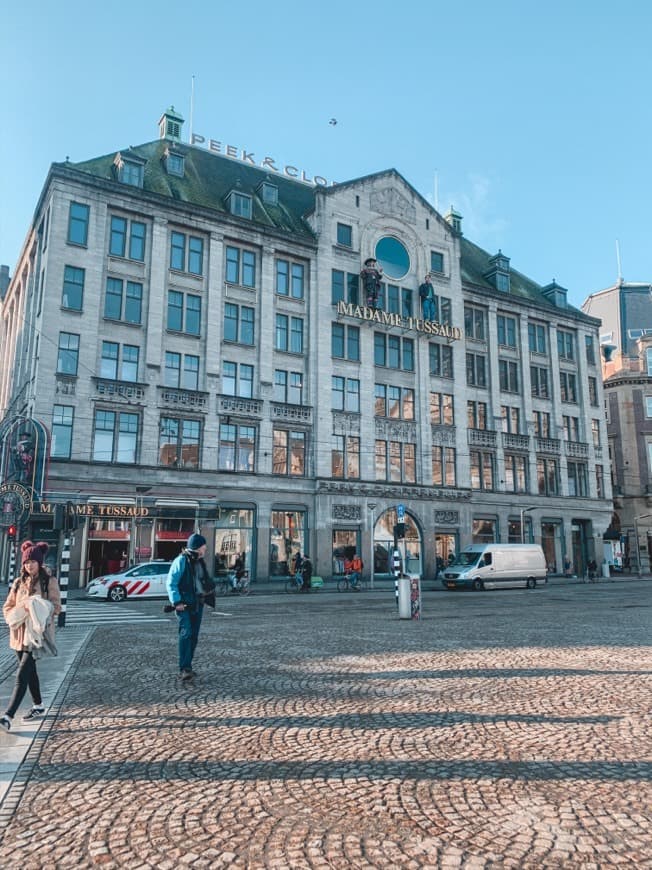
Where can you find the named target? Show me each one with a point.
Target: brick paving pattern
(504, 730)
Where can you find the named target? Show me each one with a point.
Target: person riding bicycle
(353, 571)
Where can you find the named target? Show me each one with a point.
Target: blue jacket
(180, 584)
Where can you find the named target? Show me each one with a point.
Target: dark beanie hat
(195, 542)
(34, 552)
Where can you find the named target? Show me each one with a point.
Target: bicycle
(344, 584)
(230, 586)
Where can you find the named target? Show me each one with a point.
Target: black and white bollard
(396, 570)
(63, 578)
(12, 562)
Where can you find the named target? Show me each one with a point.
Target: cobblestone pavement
(505, 730)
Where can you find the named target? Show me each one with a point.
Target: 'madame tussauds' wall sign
(387, 318)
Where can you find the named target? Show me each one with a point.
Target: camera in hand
(169, 608)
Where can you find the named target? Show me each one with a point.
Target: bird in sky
(333, 122)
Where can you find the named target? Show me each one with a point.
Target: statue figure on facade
(371, 277)
(427, 296)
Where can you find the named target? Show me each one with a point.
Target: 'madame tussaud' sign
(387, 318)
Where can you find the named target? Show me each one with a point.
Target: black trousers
(26, 678)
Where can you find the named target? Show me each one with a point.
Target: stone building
(625, 310)
(189, 328)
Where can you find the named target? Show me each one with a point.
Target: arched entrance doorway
(410, 548)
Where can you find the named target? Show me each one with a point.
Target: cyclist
(353, 571)
(238, 572)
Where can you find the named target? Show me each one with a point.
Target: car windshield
(466, 559)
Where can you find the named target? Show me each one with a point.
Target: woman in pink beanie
(34, 580)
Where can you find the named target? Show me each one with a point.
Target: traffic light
(400, 530)
(11, 533)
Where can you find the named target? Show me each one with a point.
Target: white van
(491, 566)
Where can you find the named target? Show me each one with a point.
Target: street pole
(372, 506)
(523, 512)
(64, 569)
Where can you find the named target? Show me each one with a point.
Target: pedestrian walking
(32, 604)
(188, 586)
(306, 574)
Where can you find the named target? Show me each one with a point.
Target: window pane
(73, 288)
(282, 277)
(172, 369)
(109, 363)
(137, 241)
(113, 301)
(193, 314)
(247, 332)
(175, 310)
(230, 322)
(118, 238)
(103, 438)
(78, 223)
(297, 281)
(129, 370)
(195, 255)
(178, 251)
(337, 340)
(233, 265)
(248, 269)
(134, 302)
(127, 438)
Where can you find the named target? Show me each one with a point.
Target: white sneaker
(35, 713)
(5, 723)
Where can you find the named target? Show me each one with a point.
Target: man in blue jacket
(187, 583)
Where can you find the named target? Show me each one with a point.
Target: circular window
(392, 255)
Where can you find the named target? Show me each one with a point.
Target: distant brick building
(190, 328)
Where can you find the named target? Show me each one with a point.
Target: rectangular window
(476, 415)
(345, 287)
(565, 345)
(345, 457)
(393, 352)
(506, 330)
(511, 419)
(289, 333)
(482, 470)
(109, 362)
(172, 372)
(289, 453)
(290, 279)
(436, 261)
(593, 391)
(571, 428)
(240, 205)
(345, 342)
(568, 385)
(186, 253)
(442, 409)
(238, 323)
(78, 224)
(190, 380)
(508, 376)
(237, 448)
(73, 288)
(443, 466)
(445, 310)
(401, 467)
(127, 238)
(441, 360)
(121, 306)
(62, 424)
(240, 267)
(179, 442)
(476, 370)
(288, 387)
(115, 437)
(595, 433)
(237, 380)
(577, 479)
(68, 353)
(541, 424)
(648, 406)
(536, 334)
(345, 235)
(474, 323)
(547, 476)
(539, 382)
(345, 394)
(599, 480)
(515, 473)
(590, 349)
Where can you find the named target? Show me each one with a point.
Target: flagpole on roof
(192, 108)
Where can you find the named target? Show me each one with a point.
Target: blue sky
(535, 118)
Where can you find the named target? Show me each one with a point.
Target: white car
(146, 580)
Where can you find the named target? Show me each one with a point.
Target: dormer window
(498, 272)
(174, 163)
(240, 204)
(269, 193)
(129, 169)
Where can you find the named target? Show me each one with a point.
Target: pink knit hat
(34, 552)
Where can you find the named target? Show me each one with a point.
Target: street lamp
(638, 547)
(372, 506)
(524, 511)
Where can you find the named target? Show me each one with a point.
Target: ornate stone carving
(443, 436)
(447, 518)
(396, 430)
(346, 424)
(349, 512)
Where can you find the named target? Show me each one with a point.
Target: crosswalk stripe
(80, 613)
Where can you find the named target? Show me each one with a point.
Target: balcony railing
(511, 441)
(482, 437)
(547, 445)
(577, 449)
(175, 398)
(292, 413)
(111, 389)
(238, 405)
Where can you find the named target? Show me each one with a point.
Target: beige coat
(19, 597)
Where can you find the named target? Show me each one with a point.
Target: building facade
(625, 310)
(194, 334)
